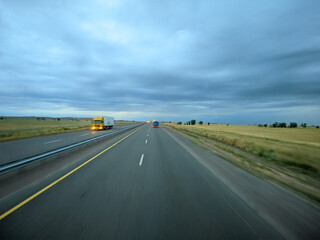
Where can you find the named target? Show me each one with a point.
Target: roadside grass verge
(123, 122)
(13, 128)
(284, 159)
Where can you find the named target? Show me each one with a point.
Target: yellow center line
(61, 178)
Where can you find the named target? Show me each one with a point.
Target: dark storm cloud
(235, 61)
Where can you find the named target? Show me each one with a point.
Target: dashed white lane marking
(58, 140)
(141, 159)
(146, 141)
(85, 134)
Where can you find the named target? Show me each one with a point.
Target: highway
(149, 183)
(16, 150)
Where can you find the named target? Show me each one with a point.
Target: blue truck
(155, 124)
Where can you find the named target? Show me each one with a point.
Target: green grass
(12, 128)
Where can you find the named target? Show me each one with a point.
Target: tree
(265, 125)
(283, 125)
(260, 125)
(208, 123)
(179, 123)
(293, 125)
(304, 125)
(193, 122)
(200, 122)
(317, 126)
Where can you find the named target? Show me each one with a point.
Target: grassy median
(290, 156)
(12, 128)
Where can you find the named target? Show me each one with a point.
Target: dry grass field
(288, 155)
(12, 128)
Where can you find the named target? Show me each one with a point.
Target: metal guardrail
(8, 167)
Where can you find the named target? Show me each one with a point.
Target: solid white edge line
(141, 160)
(85, 134)
(58, 140)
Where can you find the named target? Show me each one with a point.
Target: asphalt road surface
(143, 186)
(18, 149)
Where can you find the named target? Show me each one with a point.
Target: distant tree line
(273, 125)
(191, 122)
(284, 125)
(42, 118)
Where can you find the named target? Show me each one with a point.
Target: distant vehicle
(101, 123)
(155, 124)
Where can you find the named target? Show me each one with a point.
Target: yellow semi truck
(101, 123)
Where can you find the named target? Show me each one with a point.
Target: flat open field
(284, 154)
(12, 128)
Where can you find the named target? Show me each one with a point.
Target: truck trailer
(101, 123)
(155, 124)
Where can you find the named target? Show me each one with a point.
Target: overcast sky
(222, 61)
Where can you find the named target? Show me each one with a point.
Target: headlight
(100, 127)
